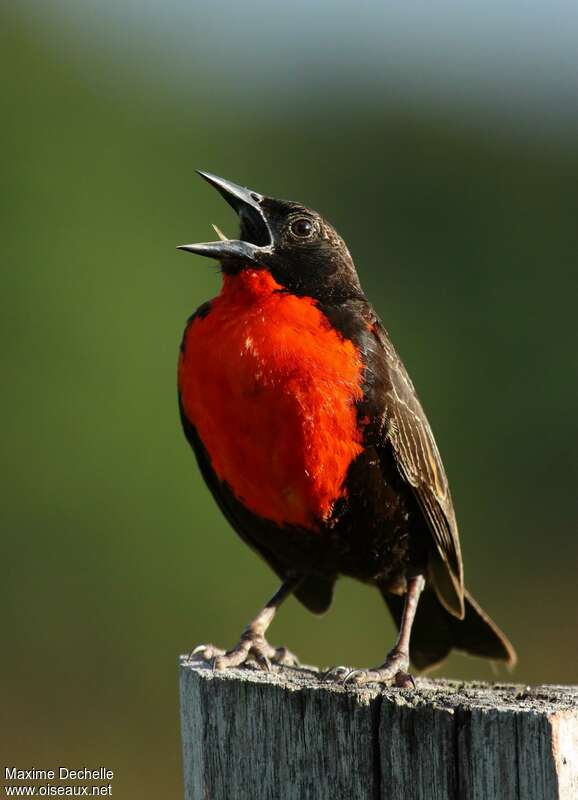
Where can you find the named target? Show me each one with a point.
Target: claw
(393, 671)
(205, 652)
(217, 664)
(263, 662)
(284, 656)
(404, 680)
(338, 673)
(353, 675)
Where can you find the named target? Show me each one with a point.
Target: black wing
(407, 430)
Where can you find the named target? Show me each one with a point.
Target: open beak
(256, 238)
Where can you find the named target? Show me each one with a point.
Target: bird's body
(279, 396)
(311, 437)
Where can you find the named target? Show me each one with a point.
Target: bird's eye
(302, 227)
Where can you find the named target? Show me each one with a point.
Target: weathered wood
(290, 735)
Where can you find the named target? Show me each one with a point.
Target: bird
(312, 440)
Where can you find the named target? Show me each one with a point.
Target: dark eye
(302, 227)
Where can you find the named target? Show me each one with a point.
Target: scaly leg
(394, 669)
(252, 644)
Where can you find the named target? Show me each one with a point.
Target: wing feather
(407, 430)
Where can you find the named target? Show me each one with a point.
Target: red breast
(271, 388)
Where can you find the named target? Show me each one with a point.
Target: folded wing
(407, 431)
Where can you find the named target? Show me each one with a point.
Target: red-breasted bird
(312, 440)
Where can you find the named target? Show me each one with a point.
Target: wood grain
(289, 734)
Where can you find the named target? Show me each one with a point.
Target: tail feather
(436, 632)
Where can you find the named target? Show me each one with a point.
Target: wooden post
(290, 735)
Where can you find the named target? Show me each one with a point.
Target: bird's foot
(251, 648)
(392, 672)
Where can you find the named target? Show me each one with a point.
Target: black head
(302, 251)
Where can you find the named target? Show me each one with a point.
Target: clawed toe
(205, 652)
(338, 674)
(392, 672)
(355, 677)
(405, 680)
(255, 650)
(285, 658)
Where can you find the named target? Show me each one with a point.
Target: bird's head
(300, 249)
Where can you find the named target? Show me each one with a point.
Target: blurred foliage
(115, 558)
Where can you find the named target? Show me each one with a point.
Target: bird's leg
(394, 668)
(252, 644)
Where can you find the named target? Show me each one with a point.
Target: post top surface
(441, 693)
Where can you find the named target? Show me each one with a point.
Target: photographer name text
(61, 774)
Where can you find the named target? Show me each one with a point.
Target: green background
(114, 557)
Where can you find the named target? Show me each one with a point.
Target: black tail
(435, 631)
